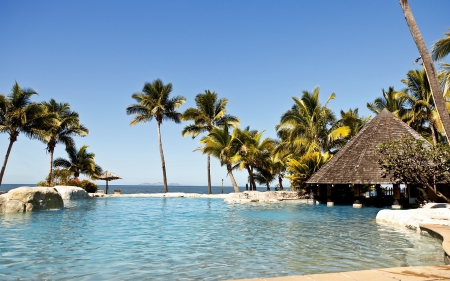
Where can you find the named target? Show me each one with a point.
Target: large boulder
(71, 192)
(24, 199)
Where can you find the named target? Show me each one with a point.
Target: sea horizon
(140, 188)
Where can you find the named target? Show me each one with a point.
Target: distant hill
(160, 184)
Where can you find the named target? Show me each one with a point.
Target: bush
(89, 186)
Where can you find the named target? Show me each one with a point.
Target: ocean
(133, 189)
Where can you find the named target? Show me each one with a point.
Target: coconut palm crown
(308, 126)
(154, 103)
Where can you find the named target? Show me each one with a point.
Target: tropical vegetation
(79, 162)
(409, 160)
(210, 112)
(19, 115)
(63, 131)
(154, 103)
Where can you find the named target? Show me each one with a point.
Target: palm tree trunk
(163, 163)
(6, 160)
(233, 181)
(433, 134)
(280, 181)
(209, 175)
(429, 67)
(250, 175)
(50, 174)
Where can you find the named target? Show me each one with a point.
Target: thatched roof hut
(356, 162)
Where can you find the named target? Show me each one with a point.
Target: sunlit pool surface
(201, 239)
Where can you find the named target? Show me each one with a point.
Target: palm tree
(392, 102)
(308, 126)
(210, 113)
(441, 48)
(301, 169)
(154, 102)
(224, 146)
(429, 67)
(63, 131)
(79, 162)
(19, 115)
(420, 99)
(352, 120)
(255, 152)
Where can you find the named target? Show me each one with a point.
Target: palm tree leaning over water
(63, 131)
(224, 146)
(210, 113)
(154, 102)
(79, 162)
(19, 115)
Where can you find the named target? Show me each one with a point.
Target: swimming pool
(201, 239)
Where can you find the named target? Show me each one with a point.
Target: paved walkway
(414, 273)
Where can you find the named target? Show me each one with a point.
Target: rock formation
(24, 199)
(71, 192)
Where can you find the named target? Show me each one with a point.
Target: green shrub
(89, 186)
(42, 183)
(84, 184)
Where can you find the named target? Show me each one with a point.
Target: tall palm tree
(210, 113)
(429, 67)
(79, 162)
(255, 152)
(224, 146)
(420, 99)
(308, 126)
(154, 102)
(63, 131)
(392, 102)
(19, 115)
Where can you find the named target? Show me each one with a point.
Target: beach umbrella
(108, 176)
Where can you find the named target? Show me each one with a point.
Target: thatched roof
(106, 175)
(356, 162)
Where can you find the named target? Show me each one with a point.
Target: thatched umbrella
(108, 176)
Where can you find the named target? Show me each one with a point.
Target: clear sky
(258, 54)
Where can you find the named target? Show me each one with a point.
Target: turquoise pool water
(201, 239)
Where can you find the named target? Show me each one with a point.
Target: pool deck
(413, 273)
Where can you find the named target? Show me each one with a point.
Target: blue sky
(258, 54)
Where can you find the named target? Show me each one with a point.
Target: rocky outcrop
(71, 192)
(431, 213)
(267, 196)
(24, 199)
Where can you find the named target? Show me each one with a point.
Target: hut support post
(396, 191)
(357, 190)
(106, 187)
